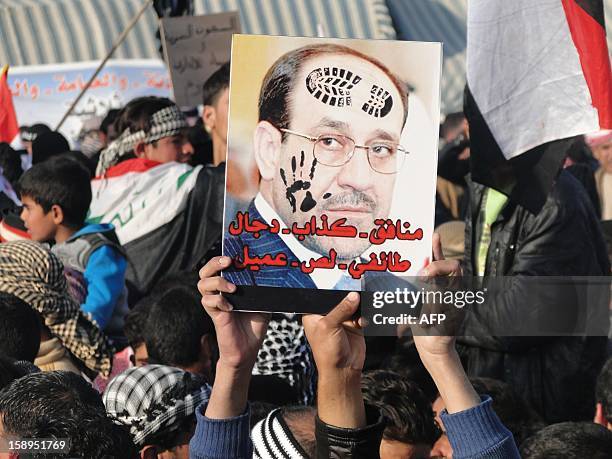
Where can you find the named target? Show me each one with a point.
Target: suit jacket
(266, 243)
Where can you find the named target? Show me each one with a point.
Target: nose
(357, 173)
(187, 148)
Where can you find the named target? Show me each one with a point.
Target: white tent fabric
(58, 31)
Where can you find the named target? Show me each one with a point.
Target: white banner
(43, 93)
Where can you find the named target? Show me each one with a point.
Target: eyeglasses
(336, 150)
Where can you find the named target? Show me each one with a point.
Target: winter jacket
(563, 239)
(95, 251)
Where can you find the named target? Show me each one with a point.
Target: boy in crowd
(56, 196)
(177, 332)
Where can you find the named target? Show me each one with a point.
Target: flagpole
(117, 43)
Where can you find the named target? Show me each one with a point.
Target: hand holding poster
(194, 48)
(346, 160)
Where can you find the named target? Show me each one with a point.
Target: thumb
(436, 243)
(343, 311)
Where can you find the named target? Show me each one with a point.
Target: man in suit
(327, 143)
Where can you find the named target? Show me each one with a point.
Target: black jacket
(336, 442)
(555, 374)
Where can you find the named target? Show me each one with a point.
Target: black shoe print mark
(379, 104)
(332, 85)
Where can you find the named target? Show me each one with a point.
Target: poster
(194, 48)
(43, 93)
(337, 139)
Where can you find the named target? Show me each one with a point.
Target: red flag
(8, 118)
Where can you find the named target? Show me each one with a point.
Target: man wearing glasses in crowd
(327, 143)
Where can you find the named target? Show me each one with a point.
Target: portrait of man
(328, 147)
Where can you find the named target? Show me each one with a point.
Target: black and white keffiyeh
(153, 399)
(285, 353)
(166, 122)
(36, 276)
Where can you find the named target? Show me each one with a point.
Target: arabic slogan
(384, 230)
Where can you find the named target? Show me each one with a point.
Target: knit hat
(154, 399)
(273, 439)
(36, 276)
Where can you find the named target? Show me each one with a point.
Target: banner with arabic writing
(331, 171)
(194, 48)
(43, 93)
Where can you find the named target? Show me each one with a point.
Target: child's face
(41, 225)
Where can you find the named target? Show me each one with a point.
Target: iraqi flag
(168, 217)
(538, 74)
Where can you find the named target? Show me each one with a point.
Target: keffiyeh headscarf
(166, 122)
(36, 276)
(154, 399)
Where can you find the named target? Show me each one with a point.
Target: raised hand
(239, 337)
(338, 347)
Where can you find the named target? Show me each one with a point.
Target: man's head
(60, 405)
(216, 103)
(48, 145)
(330, 97)
(603, 396)
(178, 332)
(10, 163)
(133, 328)
(411, 429)
(601, 146)
(30, 133)
(157, 403)
(19, 329)
(569, 440)
(108, 129)
(286, 432)
(54, 193)
(150, 127)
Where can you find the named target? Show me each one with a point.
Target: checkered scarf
(166, 122)
(36, 276)
(154, 399)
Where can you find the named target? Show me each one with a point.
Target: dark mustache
(352, 199)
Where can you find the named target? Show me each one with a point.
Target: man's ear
(209, 117)
(600, 418)
(57, 214)
(148, 452)
(267, 142)
(139, 149)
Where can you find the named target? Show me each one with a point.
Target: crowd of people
(115, 335)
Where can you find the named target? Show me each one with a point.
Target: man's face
(603, 154)
(40, 224)
(304, 187)
(168, 149)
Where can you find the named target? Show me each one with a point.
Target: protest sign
(345, 167)
(194, 48)
(43, 93)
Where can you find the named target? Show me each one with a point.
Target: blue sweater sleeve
(105, 276)
(478, 433)
(221, 438)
